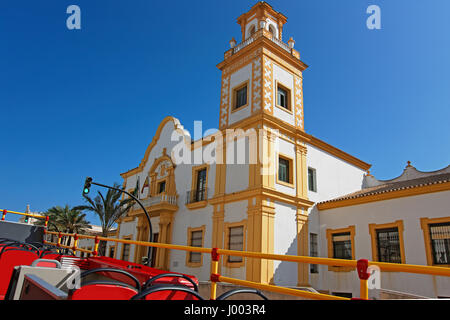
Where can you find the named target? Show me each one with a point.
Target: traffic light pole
(150, 249)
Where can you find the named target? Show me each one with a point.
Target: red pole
(4, 214)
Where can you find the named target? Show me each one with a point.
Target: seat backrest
(47, 263)
(11, 258)
(167, 292)
(103, 292)
(51, 256)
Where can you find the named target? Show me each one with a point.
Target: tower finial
(409, 164)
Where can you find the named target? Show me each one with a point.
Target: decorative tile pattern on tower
(268, 85)
(256, 85)
(224, 101)
(298, 95)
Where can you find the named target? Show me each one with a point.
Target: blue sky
(77, 103)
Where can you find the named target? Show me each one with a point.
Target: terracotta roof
(395, 186)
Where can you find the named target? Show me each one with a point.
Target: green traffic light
(86, 191)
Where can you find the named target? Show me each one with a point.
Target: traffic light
(87, 185)
(26, 219)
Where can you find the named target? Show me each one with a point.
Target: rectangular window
(161, 187)
(440, 243)
(284, 170)
(196, 241)
(388, 245)
(126, 252)
(312, 181)
(282, 98)
(313, 251)
(241, 97)
(112, 251)
(342, 246)
(236, 242)
(201, 184)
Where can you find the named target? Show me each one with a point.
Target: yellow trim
(413, 191)
(330, 233)
(289, 97)
(189, 239)
(424, 223)
(302, 247)
(374, 227)
(233, 95)
(178, 127)
(227, 226)
(291, 182)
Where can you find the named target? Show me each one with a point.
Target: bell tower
(262, 91)
(262, 74)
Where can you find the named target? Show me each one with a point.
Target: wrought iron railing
(196, 195)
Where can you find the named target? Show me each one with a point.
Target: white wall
(286, 79)
(236, 79)
(285, 235)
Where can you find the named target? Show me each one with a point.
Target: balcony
(262, 33)
(196, 198)
(158, 202)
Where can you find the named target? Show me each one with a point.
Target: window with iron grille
(283, 170)
(440, 242)
(313, 251)
(388, 245)
(342, 246)
(126, 252)
(201, 185)
(236, 242)
(196, 241)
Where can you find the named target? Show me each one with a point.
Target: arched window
(272, 31)
(252, 30)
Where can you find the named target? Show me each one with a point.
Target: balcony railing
(160, 198)
(196, 196)
(261, 33)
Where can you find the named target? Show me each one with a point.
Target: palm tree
(109, 209)
(69, 220)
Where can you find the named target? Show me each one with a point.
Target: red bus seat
(167, 292)
(98, 291)
(10, 258)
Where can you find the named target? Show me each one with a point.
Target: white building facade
(213, 193)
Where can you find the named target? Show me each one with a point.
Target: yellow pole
(97, 241)
(214, 269)
(364, 289)
(75, 243)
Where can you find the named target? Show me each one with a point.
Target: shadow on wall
(285, 273)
